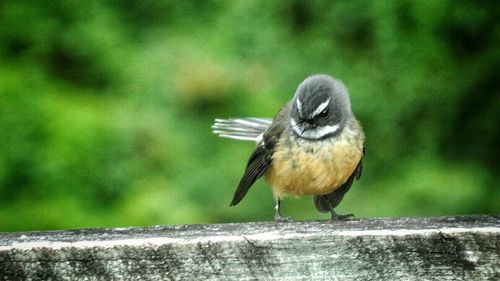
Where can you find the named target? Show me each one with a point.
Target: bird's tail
(247, 129)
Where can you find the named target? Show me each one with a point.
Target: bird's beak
(306, 126)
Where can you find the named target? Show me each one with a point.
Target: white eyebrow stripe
(320, 108)
(299, 106)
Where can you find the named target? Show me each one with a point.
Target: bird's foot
(279, 218)
(337, 217)
(277, 214)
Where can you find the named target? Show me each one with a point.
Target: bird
(314, 146)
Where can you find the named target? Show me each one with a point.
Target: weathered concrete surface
(440, 248)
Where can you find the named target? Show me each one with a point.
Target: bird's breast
(302, 167)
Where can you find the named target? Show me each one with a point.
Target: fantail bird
(313, 146)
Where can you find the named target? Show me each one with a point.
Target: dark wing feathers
(261, 158)
(359, 169)
(259, 162)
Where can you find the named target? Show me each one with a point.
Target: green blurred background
(106, 106)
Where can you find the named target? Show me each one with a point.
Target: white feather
(320, 108)
(316, 133)
(247, 129)
(299, 106)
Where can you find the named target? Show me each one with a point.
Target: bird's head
(320, 108)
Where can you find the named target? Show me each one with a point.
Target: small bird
(313, 146)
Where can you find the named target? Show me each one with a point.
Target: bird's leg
(337, 217)
(277, 215)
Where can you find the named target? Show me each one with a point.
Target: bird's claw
(280, 219)
(337, 217)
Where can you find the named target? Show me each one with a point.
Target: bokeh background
(106, 106)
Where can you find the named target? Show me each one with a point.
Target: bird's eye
(323, 113)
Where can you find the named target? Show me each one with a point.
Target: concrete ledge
(437, 248)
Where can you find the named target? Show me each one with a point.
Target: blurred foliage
(106, 106)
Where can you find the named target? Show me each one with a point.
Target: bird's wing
(261, 157)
